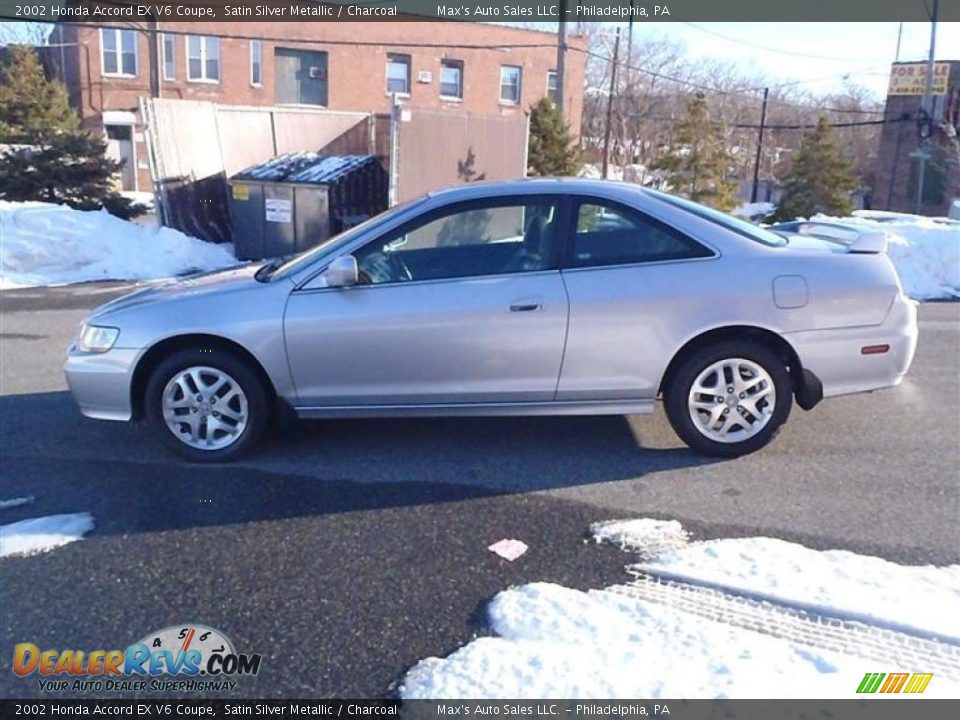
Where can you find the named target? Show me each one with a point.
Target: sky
(820, 54)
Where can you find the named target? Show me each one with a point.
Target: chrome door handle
(525, 307)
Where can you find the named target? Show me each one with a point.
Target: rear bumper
(835, 357)
(100, 382)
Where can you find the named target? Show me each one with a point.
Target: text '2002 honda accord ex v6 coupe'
(551, 296)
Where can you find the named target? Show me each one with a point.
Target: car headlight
(97, 339)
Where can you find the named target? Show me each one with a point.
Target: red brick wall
(356, 73)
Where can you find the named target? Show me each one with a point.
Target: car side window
(468, 240)
(615, 235)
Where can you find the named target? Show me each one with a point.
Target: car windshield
(285, 267)
(741, 227)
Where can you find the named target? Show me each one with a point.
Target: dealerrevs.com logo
(182, 657)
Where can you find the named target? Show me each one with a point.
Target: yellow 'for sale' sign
(911, 78)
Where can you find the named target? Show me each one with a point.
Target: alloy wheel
(732, 400)
(205, 408)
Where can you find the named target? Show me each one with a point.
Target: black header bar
(482, 11)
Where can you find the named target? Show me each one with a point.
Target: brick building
(480, 68)
(895, 181)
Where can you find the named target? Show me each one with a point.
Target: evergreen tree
(59, 162)
(32, 108)
(820, 178)
(552, 150)
(698, 163)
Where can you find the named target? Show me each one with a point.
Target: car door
(462, 305)
(631, 284)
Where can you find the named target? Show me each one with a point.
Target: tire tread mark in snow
(800, 626)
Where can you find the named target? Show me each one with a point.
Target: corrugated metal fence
(440, 148)
(195, 146)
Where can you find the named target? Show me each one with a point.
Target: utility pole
(396, 115)
(613, 85)
(756, 162)
(927, 110)
(561, 53)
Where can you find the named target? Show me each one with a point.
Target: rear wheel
(729, 399)
(207, 406)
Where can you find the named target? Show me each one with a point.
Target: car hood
(218, 281)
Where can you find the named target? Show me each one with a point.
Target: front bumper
(835, 357)
(100, 382)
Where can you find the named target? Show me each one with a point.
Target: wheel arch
(770, 339)
(163, 349)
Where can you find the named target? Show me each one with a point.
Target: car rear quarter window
(612, 234)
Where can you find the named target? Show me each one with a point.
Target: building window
(451, 79)
(168, 43)
(203, 58)
(510, 79)
(118, 51)
(256, 62)
(398, 73)
(552, 85)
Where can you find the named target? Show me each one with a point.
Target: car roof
(526, 186)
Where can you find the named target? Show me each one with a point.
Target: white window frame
(168, 58)
(519, 70)
(258, 44)
(553, 74)
(118, 39)
(459, 64)
(386, 73)
(203, 59)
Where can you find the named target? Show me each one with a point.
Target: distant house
(482, 68)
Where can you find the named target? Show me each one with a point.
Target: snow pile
(554, 642)
(925, 250)
(43, 244)
(41, 534)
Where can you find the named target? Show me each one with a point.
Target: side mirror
(342, 272)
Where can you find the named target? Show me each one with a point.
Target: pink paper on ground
(509, 549)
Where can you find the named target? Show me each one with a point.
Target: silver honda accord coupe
(534, 297)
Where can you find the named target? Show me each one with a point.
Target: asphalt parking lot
(348, 550)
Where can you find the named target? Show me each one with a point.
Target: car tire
(223, 417)
(708, 417)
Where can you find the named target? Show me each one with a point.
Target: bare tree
(25, 33)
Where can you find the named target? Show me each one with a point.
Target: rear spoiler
(856, 240)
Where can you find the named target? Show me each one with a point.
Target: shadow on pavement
(118, 472)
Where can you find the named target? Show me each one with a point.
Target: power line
(767, 48)
(861, 123)
(752, 93)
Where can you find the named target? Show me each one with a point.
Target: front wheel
(729, 399)
(206, 405)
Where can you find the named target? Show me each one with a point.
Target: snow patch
(754, 211)
(646, 536)
(16, 502)
(552, 641)
(922, 598)
(44, 244)
(41, 534)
